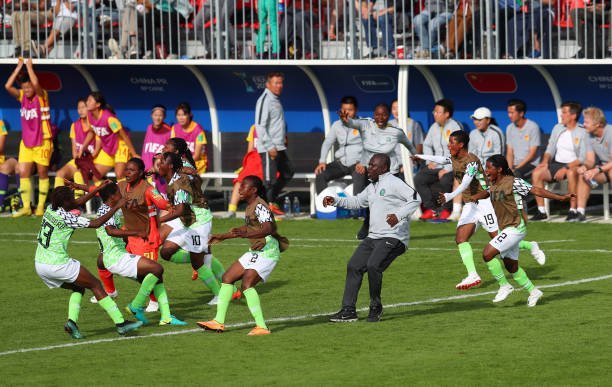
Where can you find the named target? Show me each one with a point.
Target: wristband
(600, 169)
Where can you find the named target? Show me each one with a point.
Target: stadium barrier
(310, 30)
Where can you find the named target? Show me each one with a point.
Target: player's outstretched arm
(479, 196)
(104, 218)
(541, 192)
(87, 197)
(116, 232)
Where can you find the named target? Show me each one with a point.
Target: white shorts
(479, 214)
(126, 267)
(254, 261)
(188, 239)
(203, 230)
(507, 242)
(55, 275)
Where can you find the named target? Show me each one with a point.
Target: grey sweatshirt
(488, 143)
(579, 139)
(269, 122)
(349, 141)
(377, 140)
(436, 141)
(389, 195)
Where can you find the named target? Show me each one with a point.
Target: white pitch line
(290, 318)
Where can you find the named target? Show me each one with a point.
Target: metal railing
(307, 29)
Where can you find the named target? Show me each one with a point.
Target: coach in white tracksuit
(391, 203)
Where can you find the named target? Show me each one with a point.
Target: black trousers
(524, 172)
(428, 186)
(372, 256)
(274, 184)
(336, 170)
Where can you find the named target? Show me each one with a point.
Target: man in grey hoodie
(272, 140)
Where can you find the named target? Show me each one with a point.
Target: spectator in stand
(566, 151)
(299, 29)
(190, 131)
(206, 14)
(32, 13)
(436, 178)
(127, 47)
(335, 13)
(272, 140)
(506, 10)
(597, 168)
(36, 146)
(267, 11)
(523, 140)
(533, 18)
(165, 17)
(588, 19)
(65, 18)
(487, 139)
(348, 152)
(428, 25)
(459, 28)
(378, 15)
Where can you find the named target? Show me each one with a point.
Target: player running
(469, 173)
(505, 192)
(118, 261)
(57, 269)
(255, 265)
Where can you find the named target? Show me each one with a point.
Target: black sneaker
(539, 216)
(581, 217)
(344, 315)
(363, 232)
(572, 216)
(376, 313)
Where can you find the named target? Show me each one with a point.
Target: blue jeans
(524, 30)
(428, 28)
(385, 23)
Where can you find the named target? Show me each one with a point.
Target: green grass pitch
(428, 335)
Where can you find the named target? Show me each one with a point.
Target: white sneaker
(455, 215)
(538, 254)
(534, 296)
(113, 295)
(113, 46)
(503, 292)
(473, 279)
(152, 307)
(214, 301)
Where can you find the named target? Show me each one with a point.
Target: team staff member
(522, 140)
(7, 166)
(487, 139)
(116, 144)
(391, 203)
(36, 144)
(348, 153)
(272, 140)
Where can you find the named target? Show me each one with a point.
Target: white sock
(572, 210)
(208, 260)
(456, 207)
(542, 209)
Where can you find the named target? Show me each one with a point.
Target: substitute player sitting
(505, 192)
(57, 269)
(254, 266)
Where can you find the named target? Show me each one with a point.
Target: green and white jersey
(182, 196)
(112, 248)
(55, 230)
(203, 215)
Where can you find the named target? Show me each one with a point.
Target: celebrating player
(36, 145)
(255, 265)
(504, 190)
(57, 269)
(118, 261)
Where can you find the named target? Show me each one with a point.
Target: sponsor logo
(28, 114)
(382, 192)
(372, 83)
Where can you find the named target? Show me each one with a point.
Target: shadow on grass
(559, 295)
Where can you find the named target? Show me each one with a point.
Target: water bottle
(296, 206)
(593, 183)
(287, 206)
(281, 7)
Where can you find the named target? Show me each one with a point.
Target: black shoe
(581, 217)
(363, 232)
(539, 216)
(572, 216)
(344, 315)
(376, 313)
(17, 51)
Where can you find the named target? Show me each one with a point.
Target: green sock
(181, 256)
(162, 299)
(148, 283)
(525, 245)
(467, 256)
(225, 296)
(74, 306)
(217, 268)
(495, 267)
(207, 276)
(111, 308)
(521, 278)
(252, 299)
